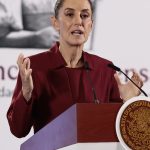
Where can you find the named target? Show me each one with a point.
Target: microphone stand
(86, 65)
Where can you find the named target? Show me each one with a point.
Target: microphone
(86, 65)
(119, 70)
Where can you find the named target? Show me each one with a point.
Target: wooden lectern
(81, 123)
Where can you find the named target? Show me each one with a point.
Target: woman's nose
(77, 20)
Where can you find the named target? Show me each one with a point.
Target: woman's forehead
(76, 4)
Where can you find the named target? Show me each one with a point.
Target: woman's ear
(54, 23)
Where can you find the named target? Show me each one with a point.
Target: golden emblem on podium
(133, 124)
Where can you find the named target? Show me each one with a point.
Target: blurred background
(121, 33)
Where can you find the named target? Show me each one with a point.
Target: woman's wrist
(27, 94)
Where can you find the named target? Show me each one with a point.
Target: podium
(80, 124)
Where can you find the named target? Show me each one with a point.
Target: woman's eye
(69, 14)
(85, 16)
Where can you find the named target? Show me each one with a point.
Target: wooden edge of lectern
(81, 123)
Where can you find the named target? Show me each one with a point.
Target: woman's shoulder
(39, 56)
(45, 55)
(42, 60)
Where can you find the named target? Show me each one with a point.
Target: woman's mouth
(77, 32)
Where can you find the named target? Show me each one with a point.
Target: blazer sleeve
(19, 114)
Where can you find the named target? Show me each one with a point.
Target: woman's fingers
(28, 63)
(20, 60)
(24, 66)
(20, 64)
(117, 79)
(25, 63)
(28, 69)
(136, 78)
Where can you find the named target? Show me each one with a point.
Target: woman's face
(74, 22)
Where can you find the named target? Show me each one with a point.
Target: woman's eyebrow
(69, 9)
(83, 10)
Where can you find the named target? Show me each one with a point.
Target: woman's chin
(77, 43)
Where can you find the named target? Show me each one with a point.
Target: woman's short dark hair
(59, 4)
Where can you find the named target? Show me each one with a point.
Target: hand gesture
(25, 74)
(129, 90)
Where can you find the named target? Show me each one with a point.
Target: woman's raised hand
(26, 77)
(129, 90)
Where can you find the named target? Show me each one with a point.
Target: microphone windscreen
(114, 67)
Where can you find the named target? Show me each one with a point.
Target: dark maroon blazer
(57, 87)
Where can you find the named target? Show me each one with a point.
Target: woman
(52, 81)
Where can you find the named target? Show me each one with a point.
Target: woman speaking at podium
(50, 82)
